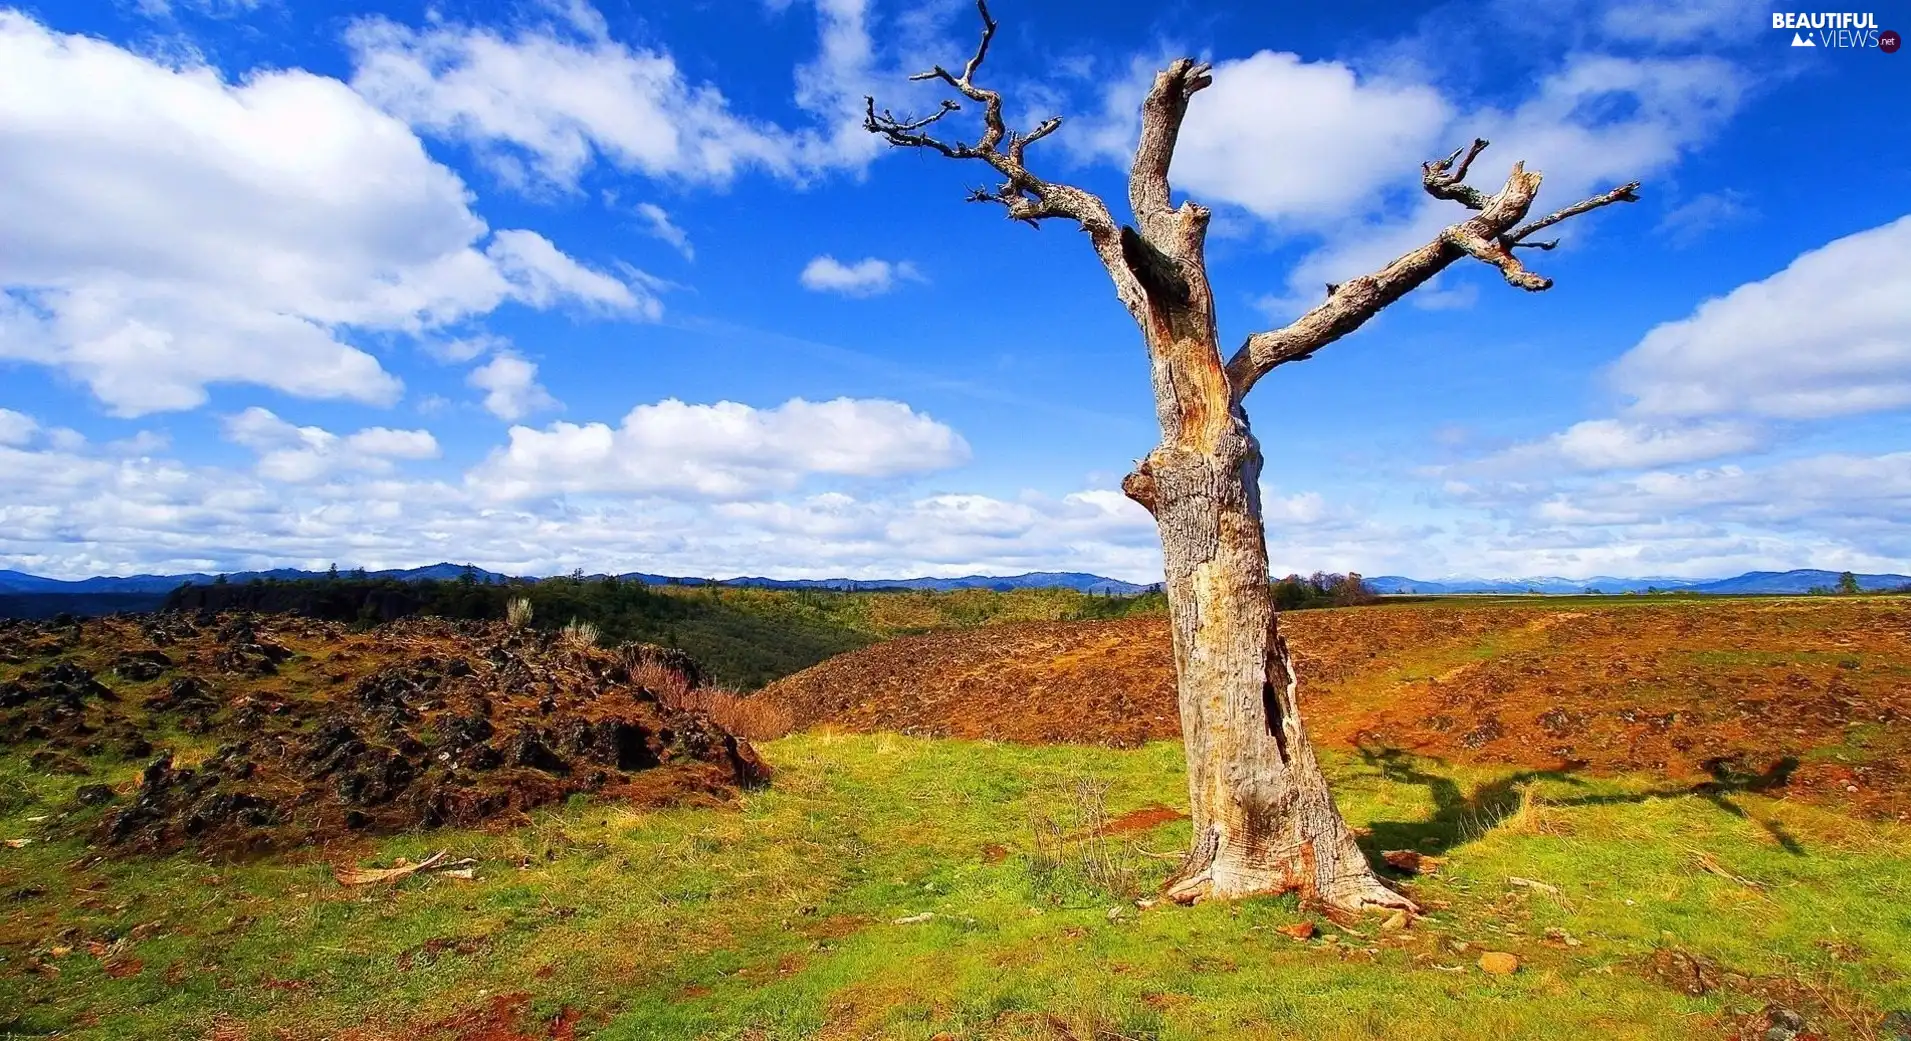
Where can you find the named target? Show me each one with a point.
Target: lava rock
(138, 666)
(530, 747)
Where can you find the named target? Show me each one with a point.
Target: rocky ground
(267, 732)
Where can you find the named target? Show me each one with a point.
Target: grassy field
(792, 914)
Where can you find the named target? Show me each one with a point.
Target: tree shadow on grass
(1460, 817)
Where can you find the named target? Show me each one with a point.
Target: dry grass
(667, 683)
(1074, 845)
(748, 717)
(579, 634)
(517, 613)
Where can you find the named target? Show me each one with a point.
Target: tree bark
(1264, 820)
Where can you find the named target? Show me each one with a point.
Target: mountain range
(136, 592)
(21, 583)
(1803, 580)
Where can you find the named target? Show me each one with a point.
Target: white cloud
(1595, 445)
(1597, 122)
(296, 454)
(1838, 488)
(543, 103)
(543, 276)
(68, 511)
(1329, 144)
(721, 451)
(511, 387)
(1684, 22)
(869, 276)
(465, 348)
(17, 428)
(73, 512)
(658, 225)
(1829, 335)
(166, 229)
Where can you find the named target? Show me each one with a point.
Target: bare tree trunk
(1264, 821)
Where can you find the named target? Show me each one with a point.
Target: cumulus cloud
(75, 511)
(869, 276)
(297, 454)
(721, 451)
(1597, 445)
(1331, 142)
(543, 103)
(1596, 122)
(543, 276)
(1838, 486)
(17, 428)
(511, 389)
(167, 229)
(1829, 335)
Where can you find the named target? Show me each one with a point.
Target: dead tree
(1264, 820)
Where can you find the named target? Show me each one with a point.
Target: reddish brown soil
(1812, 695)
(505, 1017)
(277, 731)
(1142, 818)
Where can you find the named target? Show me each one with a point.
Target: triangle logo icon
(1800, 41)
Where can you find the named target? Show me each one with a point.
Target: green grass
(776, 919)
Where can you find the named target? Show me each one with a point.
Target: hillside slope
(1811, 693)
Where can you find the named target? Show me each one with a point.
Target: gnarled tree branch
(1442, 181)
(1489, 236)
(1023, 195)
(1623, 193)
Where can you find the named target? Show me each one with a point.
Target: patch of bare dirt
(272, 732)
(1808, 696)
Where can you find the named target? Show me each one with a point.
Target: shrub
(517, 613)
(580, 635)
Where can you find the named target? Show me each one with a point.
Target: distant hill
(1081, 583)
(23, 583)
(30, 596)
(1798, 582)
(1753, 582)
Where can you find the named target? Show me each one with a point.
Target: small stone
(1299, 930)
(1561, 936)
(915, 919)
(1896, 1026)
(1499, 963)
(1778, 1023)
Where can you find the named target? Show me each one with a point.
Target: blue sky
(547, 285)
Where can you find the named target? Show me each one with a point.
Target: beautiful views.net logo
(1845, 30)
